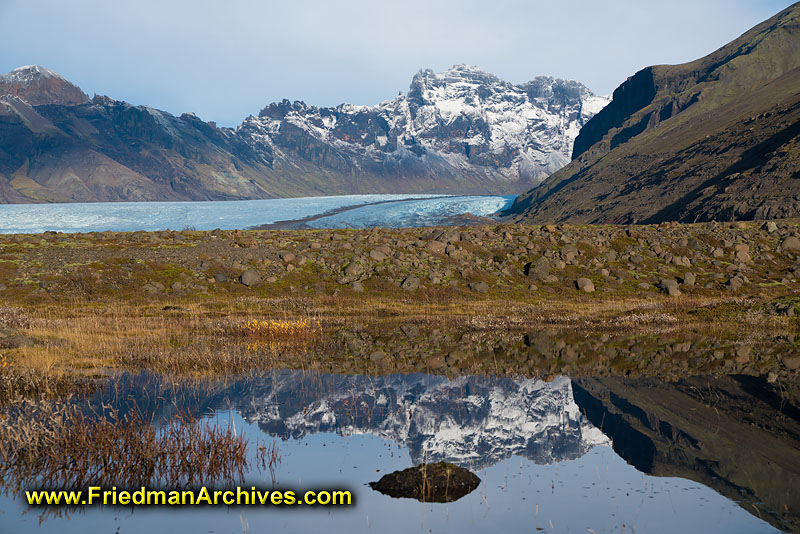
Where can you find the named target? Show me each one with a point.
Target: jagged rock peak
(462, 121)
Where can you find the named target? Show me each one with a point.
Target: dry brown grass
(56, 445)
(222, 336)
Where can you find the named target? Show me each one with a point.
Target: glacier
(371, 210)
(422, 212)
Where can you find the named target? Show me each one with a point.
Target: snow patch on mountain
(459, 120)
(29, 74)
(470, 421)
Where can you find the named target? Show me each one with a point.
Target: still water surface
(560, 456)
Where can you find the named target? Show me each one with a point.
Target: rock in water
(440, 482)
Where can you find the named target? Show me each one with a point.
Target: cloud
(225, 60)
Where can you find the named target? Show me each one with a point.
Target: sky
(227, 59)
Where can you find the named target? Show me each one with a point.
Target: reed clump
(31, 384)
(59, 445)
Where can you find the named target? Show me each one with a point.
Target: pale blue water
(544, 468)
(404, 210)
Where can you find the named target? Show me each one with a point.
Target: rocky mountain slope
(714, 139)
(460, 131)
(37, 86)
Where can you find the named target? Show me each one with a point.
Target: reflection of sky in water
(228, 215)
(594, 490)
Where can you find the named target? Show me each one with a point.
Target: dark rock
(220, 277)
(538, 270)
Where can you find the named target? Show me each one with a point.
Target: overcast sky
(226, 59)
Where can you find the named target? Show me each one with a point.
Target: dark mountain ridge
(713, 139)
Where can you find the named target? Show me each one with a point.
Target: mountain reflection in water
(737, 435)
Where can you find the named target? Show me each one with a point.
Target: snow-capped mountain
(460, 121)
(462, 131)
(471, 421)
(38, 85)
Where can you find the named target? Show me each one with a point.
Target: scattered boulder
(357, 286)
(378, 356)
(791, 245)
(287, 257)
(479, 287)
(743, 354)
(250, 278)
(770, 227)
(670, 287)
(569, 252)
(440, 482)
(734, 284)
(220, 277)
(435, 247)
(743, 256)
(585, 285)
(538, 270)
(689, 279)
(410, 283)
(792, 363)
(377, 255)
